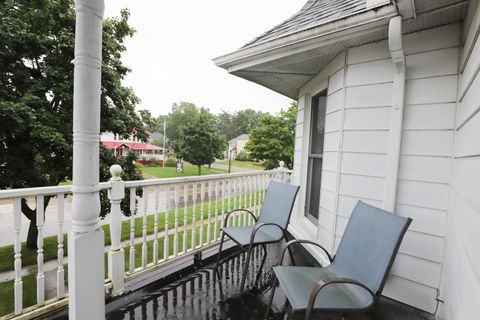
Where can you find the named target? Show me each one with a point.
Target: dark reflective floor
(201, 294)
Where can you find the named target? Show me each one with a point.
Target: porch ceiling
(286, 62)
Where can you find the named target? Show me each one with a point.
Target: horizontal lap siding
(366, 127)
(426, 151)
(460, 288)
(425, 163)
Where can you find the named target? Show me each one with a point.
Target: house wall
(359, 84)
(460, 289)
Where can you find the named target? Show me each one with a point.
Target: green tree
(36, 93)
(246, 120)
(273, 140)
(181, 115)
(201, 141)
(234, 124)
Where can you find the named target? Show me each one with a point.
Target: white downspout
(396, 116)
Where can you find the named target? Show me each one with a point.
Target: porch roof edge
(345, 27)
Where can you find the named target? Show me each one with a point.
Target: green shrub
(242, 156)
(153, 163)
(171, 162)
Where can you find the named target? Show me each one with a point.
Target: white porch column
(86, 240)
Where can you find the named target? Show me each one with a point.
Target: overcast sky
(171, 53)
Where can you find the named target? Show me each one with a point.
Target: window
(315, 156)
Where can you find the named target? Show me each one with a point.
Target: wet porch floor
(199, 293)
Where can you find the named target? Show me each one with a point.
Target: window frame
(314, 103)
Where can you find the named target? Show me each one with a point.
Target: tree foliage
(36, 92)
(273, 140)
(179, 118)
(200, 141)
(234, 124)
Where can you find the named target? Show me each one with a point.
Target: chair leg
(270, 301)
(264, 258)
(245, 268)
(219, 254)
(290, 253)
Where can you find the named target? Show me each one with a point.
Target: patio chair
(270, 227)
(354, 279)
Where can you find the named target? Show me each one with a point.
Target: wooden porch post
(86, 240)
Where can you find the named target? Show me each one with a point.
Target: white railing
(49, 204)
(170, 219)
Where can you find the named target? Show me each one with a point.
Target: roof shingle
(312, 14)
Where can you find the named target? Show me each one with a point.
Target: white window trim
(306, 224)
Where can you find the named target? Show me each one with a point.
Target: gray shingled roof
(240, 137)
(313, 14)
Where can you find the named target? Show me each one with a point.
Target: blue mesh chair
(355, 278)
(270, 226)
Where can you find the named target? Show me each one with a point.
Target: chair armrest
(236, 210)
(260, 225)
(326, 282)
(295, 241)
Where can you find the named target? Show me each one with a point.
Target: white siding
(425, 163)
(460, 289)
(433, 142)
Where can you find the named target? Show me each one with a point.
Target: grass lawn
(243, 164)
(29, 256)
(188, 170)
(29, 281)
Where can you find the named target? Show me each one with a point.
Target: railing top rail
(164, 181)
(42, 191)
(45, 191)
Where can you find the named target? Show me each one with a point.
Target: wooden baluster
(235, 202)
(245, 201)
(194, 215)
(166, 248)
(250, 198)
(255, 198)
(17, 248)
(229, 200)
(202, 211)
(133, 210)
(223, 201)
(155, 225)
(60, 271)
(209, 213)
(175, 235)
(215, 230)
(40, 275)
(144, 228)
(185, 216)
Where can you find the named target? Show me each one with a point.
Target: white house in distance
(388, 112)
(120, 147)
(237, 145)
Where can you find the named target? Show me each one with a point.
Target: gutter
(396, 116)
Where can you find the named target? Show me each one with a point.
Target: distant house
(120, 147)
(236, 145)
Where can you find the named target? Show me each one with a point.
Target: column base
(86, 284)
